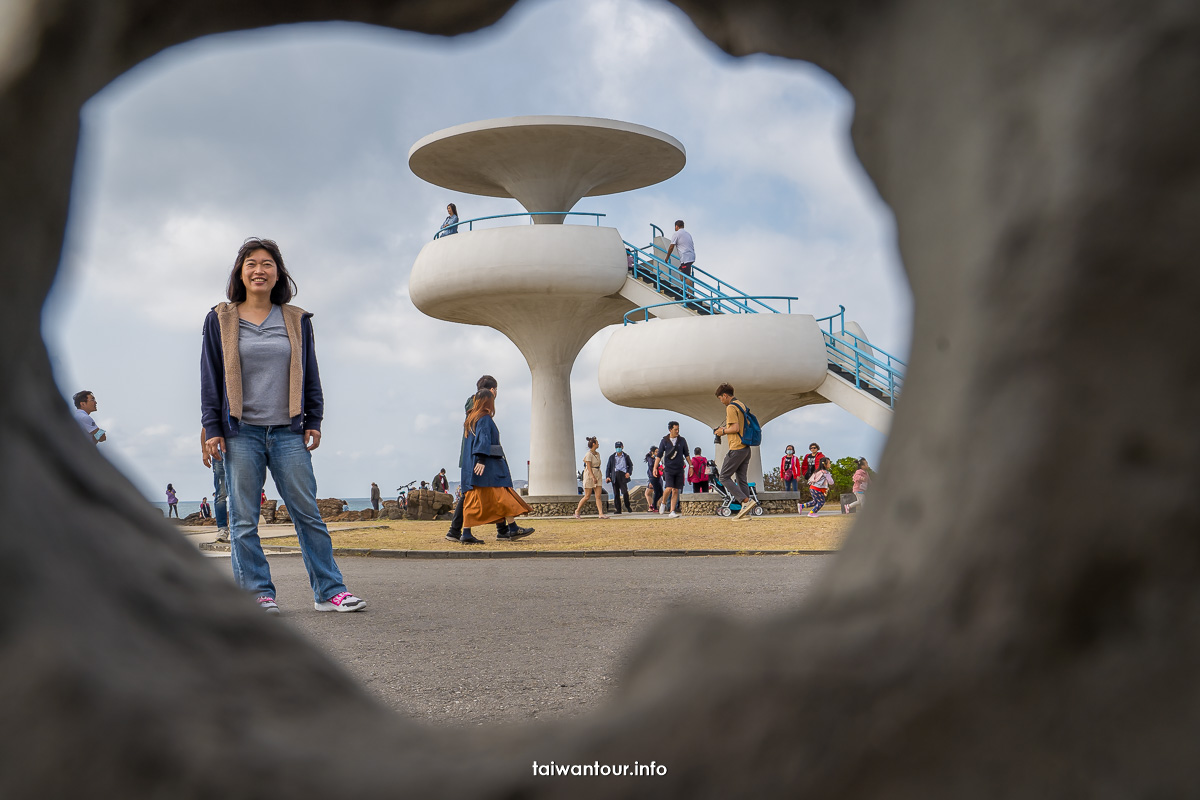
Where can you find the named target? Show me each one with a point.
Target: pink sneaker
(813, 514)
(342, 602)
(268, 605)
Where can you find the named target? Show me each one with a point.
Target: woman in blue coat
(488, 494)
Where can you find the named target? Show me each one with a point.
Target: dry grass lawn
(792, 533)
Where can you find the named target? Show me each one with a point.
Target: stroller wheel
(725, 511)
(758, 511)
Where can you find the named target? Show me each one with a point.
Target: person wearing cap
(619, 471)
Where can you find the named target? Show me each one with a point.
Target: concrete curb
(473, 553)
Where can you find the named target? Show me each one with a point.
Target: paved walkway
(467, 641)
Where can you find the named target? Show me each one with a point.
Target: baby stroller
(731, 506)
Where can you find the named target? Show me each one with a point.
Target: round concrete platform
(547, 163)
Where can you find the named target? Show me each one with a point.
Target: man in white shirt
(85, 405)
(687, 253)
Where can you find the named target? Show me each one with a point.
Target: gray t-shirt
(266, 357)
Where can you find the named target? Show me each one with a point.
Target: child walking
(862, 479)
(818, 484)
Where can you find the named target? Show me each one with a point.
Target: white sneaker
(672, 515)
(342, 602)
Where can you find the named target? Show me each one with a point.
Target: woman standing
(172, 502)
(789, 470)
(591, 479)
(862, 479)
(698, 473)
(654, 489)
(450, 223)
(485, 479)
(262, 406)
(819, 483)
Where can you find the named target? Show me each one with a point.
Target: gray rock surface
(1043, 163)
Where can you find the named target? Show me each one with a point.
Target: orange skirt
(485, 504)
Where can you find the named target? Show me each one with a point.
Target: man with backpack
(744, 432)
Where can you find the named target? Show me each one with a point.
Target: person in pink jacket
(862, 479)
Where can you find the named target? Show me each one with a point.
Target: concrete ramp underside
(641, 294)
(844, 394)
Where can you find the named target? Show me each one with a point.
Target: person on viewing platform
(673, 457)
(488, 494)
(737, 460)
(698, 473)
(618, 473)
(654, 489)
(205, 509)
(591, 479)
(811, 462)
(450, 223)
(862, 479)
(261, 407)
(819, 484)
(790, 470)
(682, 240)
(376, 496)
(457, 533)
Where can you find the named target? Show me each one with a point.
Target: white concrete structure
(549, 288)
(775, 362)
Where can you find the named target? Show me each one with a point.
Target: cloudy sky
(301, 134)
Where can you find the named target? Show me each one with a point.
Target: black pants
(656, 485)
(620, 488)
(456, 523)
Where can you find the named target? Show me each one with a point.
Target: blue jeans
(250, 453)
(220, 494)
(792, 485)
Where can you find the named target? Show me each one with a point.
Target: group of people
(671, 463)
(262, 407)
(815, 469)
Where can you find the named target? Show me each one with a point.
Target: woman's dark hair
(861, 460)
(170, 488)
(785, 449)
(284, 289)
(591, 440)
(653, 450)
(826, 462)
(453, 208)
(485, 382)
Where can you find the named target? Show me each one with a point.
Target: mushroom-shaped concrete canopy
(546, 163)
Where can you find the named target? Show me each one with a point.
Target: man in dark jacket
(618, 473)
(673, 455)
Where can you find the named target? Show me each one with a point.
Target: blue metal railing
(470, 223)
(871, 367)
(645, 310)
(716, 296)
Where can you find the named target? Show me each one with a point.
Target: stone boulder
(268, 511)
(330, 507)
(282, 515)
(428, 504)
(390, 509)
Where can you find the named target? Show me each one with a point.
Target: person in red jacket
(811, 462)
(789, 470)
